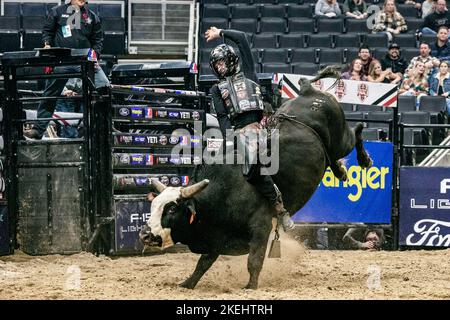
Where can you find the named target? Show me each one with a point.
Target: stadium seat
(406, 103)
(433, 104)
(427, 38)
(12, 9)
(406, 40)
(330, 26)
(379, 53)
(276, 68)
(407, 10)
(274, 55)
(320, 40)
(265, 40)
(263, 1)
(305, 68)
(257, 67)
(379, 116)
(413, 24)
(290, 2)
(34, 9)
(371, 134)
(364, 108)
(203, 44)
(9, 33)
(110, 10)
(300, 11)
(247, 25)
(330, 56)
(356, 25)
(301, 25)
(350, 54)
(114, 35)
(292, 40)
(215, 11)
(32, 37)
(215, 1)
(273, 11)
(376, 40)
(308, 55)
(204, 55)
(409, 53)
(349, 40)
(274, 25)
(220, 23)
(257, 55)
(243, 12)
(415, 117)
(347, 107)
(356, 116)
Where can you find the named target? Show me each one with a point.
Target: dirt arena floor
(299, 274)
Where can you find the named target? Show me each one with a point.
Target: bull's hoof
(365, 162)
(251, 286)
(187, 284)
(344, 176)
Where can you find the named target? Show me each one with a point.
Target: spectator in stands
(393, 61)
(59, 31)
(428, 6)
(355, 72)
(376, 74)
(425, 57)
(440, 17)
(365, 239)
(441, 48)
(327, 9)
(365, 56)
(415, 82)
(355, 9)
(389, 20)
(72, 88)
(440, 83)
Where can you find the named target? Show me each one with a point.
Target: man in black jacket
(394, 61)
(439, 18)
(74, 26)
(238, 103)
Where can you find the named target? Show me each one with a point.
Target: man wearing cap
(393, 61)
(70, 25)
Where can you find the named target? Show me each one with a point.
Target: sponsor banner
(345, 91)
(131, 215)
(142, 160)
(424, 216)
(161, 140)
(365, 197)
(122, 181)
(144, 112)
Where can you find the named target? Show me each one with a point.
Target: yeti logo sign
(424, 207)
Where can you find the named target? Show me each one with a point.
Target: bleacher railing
(164, 38)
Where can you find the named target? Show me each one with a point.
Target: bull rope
(276, 119)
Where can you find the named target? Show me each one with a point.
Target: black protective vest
(240, 95)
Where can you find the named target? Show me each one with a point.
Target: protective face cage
(227, 55)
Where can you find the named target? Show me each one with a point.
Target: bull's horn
(189, 192)
(158, 185)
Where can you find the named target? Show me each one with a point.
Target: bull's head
(166, 204)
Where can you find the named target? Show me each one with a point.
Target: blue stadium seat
(244, 12)
(376, 40)
(349, 40)
(379, 116)
(405, 40)
(407, 10)
(109, 10)
(320, 40)
(215, 11)
(276, 68)
(114, 35)
(292, 40)
(273, 11)
(265, 40)
(301, 25)
(300, 11)
(32, 37)
(221, 23)
(330, 25)
(9, 33)
(247, 25)
(275, 25)
(356, 25)
(330, 56)
(413, 24)
(34, 9)
(274, 55)
(305, 68)
(406, 103)
(12, 9)
(309, 55)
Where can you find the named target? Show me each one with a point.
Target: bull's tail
(328, 72)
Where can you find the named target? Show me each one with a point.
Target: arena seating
(24, 20)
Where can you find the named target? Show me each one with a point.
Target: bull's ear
(151, 196)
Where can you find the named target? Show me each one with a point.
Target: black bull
(229, 216)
